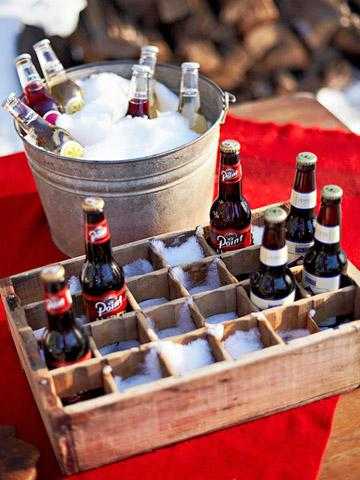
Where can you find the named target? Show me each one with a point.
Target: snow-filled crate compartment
(138, 259)
(155, 289)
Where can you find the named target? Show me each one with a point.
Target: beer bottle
(34, 90)
(139, 91)
(102, 279)
(273, 284)
(148, 57)
(189, 101)
(64, 342)
(300, 223)
(51, 138)
(326, 261)
(230, 214)
(66, 92)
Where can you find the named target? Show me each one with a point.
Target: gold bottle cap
(230, 146)
(150, 49)
(306, 159)
(24, 57)
(275, 215)
(332, 192)
(54, 273)
(72, 149)
(93, 204)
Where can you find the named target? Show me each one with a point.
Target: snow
(211, 281)
(118, 346)
(137, 267)
(74, 285)
(221, 317)
(186, 358)
(183, 325)
(151, 302)
(167, 100)
(290, 335)
(243, 342)
(149, 371)
(188, 252)
(257, 233)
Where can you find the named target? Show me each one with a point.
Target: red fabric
(285, 446)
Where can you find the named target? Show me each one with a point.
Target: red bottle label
(58, 303)
(229, 239)
(109, 304)
(97, 233)
(230, 173)
(63, 363)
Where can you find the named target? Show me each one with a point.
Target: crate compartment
(182, 248)
(241, 263)
(138, 258)
(155, 289)
(203, 276)
(175, 318)
(248, 335)
(138, 367)
(226, 303)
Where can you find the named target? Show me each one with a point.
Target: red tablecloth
(286, 446)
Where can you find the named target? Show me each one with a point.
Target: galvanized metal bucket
(145, 196)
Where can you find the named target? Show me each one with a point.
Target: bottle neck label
(228, 239)
(274, 258)
(58, 303)
(298, 248)
(263, 303)
(230, 173)
(303, 200)
(320, 284)
(327, 235)
(106, 305)
(97, 233)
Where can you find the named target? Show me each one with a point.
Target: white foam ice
(74, 285)
(210, 282)
(187, 252)
(118, 346)
(221, 317)
(186, 358)
(242, 342)
(167, 101)
(184, 324)
(151, 302)
(257, 233)
(39, 333)
(140, 266)
(290, 335)
(149, 371)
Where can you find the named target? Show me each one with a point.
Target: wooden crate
(118, 423)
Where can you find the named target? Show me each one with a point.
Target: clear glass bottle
(139, 97)
(148, 57)
(189, 99)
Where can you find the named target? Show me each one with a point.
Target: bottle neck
(23, 114)
(189, 91)
(149, 59)
(327, 229)
(28, 75)
(49, 62)
(59, 307)
(273, 251)
(97, 238)
(139, 95)
(230, 180)
(303, 195)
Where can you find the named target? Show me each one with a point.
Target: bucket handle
(227, 99)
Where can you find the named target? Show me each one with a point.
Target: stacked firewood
(253, 48)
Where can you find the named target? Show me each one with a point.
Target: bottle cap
(42, 43)
(54, 273)
(72, 149)
(93, 204)
(144, 69)
(306, 159)
(190, 65)
(230, 146)
(275, 215)
(74, 105)
(331, 192)
(150, 49)
(24, 57)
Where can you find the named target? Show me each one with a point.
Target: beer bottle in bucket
(66, 92)
(148, 57)
(102, 279)
(64, 342)
(273, 284)
(139, 98)
(230, 214)
(189, 101)
(43, 134)
(34, 90)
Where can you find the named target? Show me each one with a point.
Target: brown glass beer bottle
(230, 214)
(273, 284)
(326, 261)
(300, 223)
(64, 342)
(102, 278)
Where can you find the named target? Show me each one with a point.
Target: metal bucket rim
(138, 159)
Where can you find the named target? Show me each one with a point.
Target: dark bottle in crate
(300, 223)
(51, 138)
(64, 342)
(102, 279)
(326, 261)
(35, 93)
(273, 284)
(189, 99)
(230, 214)
(66, 92)
(148, 57)
(139, 98)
